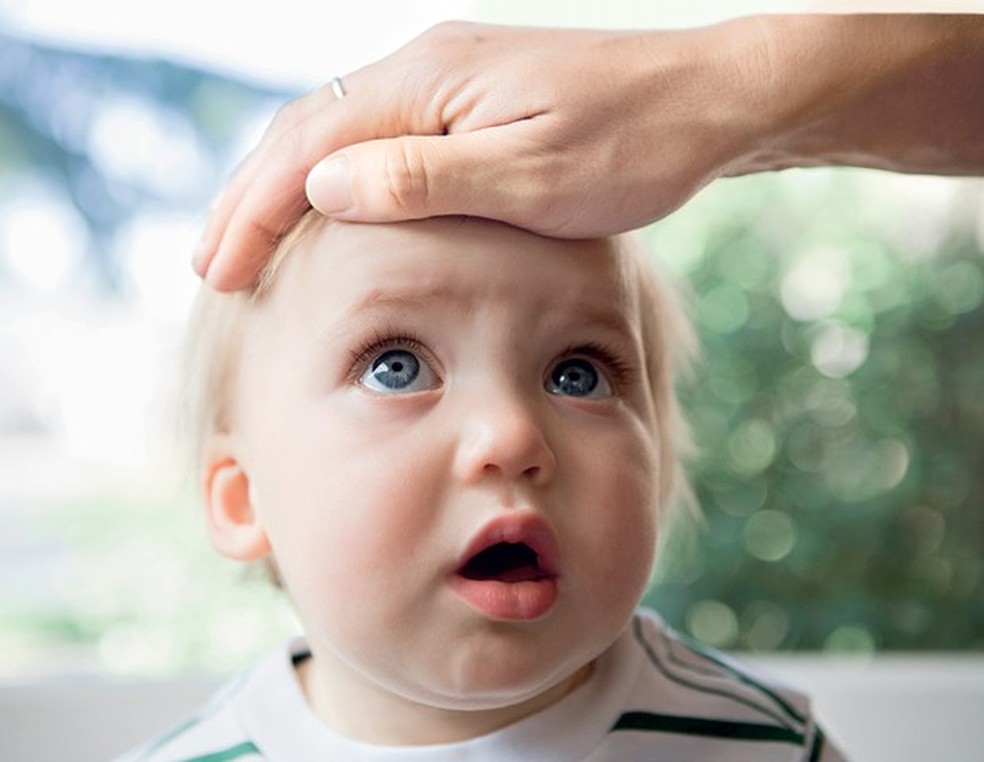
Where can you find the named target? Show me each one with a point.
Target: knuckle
(298, 146)
(406, 180)
(293, 147)
(448, 31)
(288, 113)
(447, 38)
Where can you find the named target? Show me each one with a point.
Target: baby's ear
(233, 525)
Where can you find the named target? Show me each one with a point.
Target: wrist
(891, 91)
(756, 110)
(710, 86)
(818, 69)
(790, 84)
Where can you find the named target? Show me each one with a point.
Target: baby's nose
(504, 440)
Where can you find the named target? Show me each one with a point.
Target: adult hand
(581, 133)
(568, 133)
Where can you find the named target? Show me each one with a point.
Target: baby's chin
(433, 711)
(532, 698)
(513, 682)
(490, 704)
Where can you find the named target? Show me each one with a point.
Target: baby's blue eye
(398, 370)
(578, 377)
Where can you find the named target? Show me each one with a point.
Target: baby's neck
(370, 714)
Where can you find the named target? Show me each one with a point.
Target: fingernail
(329, 186)
(201, 255)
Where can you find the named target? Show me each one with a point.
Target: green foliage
(842, 452)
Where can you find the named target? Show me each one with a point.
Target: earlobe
(233, 526)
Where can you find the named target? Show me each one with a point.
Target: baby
(454, 443)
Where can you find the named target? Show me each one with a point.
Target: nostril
(532, 472)
(503, 443)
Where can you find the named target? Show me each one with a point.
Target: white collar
(276, 717)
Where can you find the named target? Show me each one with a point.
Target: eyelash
(621, 373)
(365, 353)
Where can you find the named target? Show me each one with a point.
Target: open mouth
(504, 562)
(508, 571)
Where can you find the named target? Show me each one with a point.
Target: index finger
(274, 161)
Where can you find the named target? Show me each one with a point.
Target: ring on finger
(338, 88)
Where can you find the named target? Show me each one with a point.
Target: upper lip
(525, 528)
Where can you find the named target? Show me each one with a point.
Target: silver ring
(337, 88)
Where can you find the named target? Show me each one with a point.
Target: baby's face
(447, 431)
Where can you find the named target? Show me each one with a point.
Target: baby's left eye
(578, 377)
(398, 371)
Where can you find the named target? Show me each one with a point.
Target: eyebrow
(385, 299)
(611, 321)
(608, 319)
(401, 297)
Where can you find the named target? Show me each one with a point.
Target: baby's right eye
(398, 371)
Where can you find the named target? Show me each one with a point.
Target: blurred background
(839, 404)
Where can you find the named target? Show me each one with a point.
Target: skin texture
(617, 128)
(368, 500)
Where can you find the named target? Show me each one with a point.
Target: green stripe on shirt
(699, 726)
(817, 751)
(235, 752)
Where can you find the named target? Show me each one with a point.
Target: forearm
(899, 92)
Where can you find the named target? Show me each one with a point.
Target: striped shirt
(652, 697)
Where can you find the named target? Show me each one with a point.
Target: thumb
(413, 177)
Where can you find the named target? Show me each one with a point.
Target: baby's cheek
(631, 515)
(635, 540)
(356, 517)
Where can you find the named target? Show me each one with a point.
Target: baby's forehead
(452, 257)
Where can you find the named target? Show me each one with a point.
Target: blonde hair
(669, 344)
(216, 330)
(213, 343)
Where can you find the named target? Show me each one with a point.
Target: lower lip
(508, 601)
